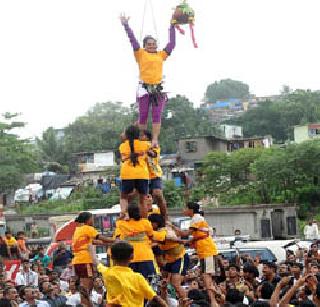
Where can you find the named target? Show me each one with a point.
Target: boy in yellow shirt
(125, 287)
(138, 232)
(176, 260)
(202, 241)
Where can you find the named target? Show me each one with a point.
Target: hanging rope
(143, 17)
(153, 19)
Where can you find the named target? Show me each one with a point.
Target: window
(191, 146)
(292, 226)
(86, 158)
(314, 131)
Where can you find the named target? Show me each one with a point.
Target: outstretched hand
(124, 19)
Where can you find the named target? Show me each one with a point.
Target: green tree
(278, 118)
(181, 119)
(17, 156)
(52, 149)
(225, 89)
(99, 129)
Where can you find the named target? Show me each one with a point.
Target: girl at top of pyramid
(150, 90)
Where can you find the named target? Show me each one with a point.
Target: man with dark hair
(10, 297)
(234, 273)
(125, 287)
(250, 273)
(26, 277)
(61, 258)
(269, 271)
(28, 295)
(296, 270)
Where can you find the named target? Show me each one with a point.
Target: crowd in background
(243, 281)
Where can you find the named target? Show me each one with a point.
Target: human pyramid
(149, 245)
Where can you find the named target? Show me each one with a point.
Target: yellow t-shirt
(204, 244)
(11, 242)
(125, 287)
(154, 167)
(81, 241)
(150, 65)
(140, 171)
(137, 233)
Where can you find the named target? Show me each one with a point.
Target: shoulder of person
(197, 218)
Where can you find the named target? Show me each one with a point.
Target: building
(225, 109)
(231, 131)
(193, 150)
(306, 133)
(94, 164)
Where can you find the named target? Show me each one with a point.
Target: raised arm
(172, 40)
(125, 22)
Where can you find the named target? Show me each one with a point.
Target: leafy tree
(181, 119)
(17, 156)
(99, 129)
(225, 89)
(52, 149)
(278, 118)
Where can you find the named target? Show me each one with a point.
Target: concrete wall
(248, 219)
(301, 134)
(203, 147)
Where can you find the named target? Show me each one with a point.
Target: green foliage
(101, 126)
(86, 198)
(280, 175)
(17, 156)
(225, 89)
(173, 195)
(279, 117)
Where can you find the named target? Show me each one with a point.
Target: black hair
(266, 290)
(195, 207)
(148, 134)
(83, 217)
(306, 303)
(260, 304)
(146, 38)
(121, 251)
(271, 265)
(297, 264)
(134, 212)
(251, 269)
(157, 218)
(233, 265)
(234, 296)
(132, 133)
(8, 232)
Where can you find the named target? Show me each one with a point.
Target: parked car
(266, 255)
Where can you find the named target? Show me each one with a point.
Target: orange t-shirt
(22, 245)
(81, 242)
(137, 233)
(128, 171)
(204, 244)
(150, 65)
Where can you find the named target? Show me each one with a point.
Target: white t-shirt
(73, 299)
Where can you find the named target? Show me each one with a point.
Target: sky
(60, 57)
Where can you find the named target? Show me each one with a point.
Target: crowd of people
(155, 269)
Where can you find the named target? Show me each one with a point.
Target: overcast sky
(60, 57)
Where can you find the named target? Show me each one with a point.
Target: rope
(153, 20)
(154, 23)
(143, 17)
